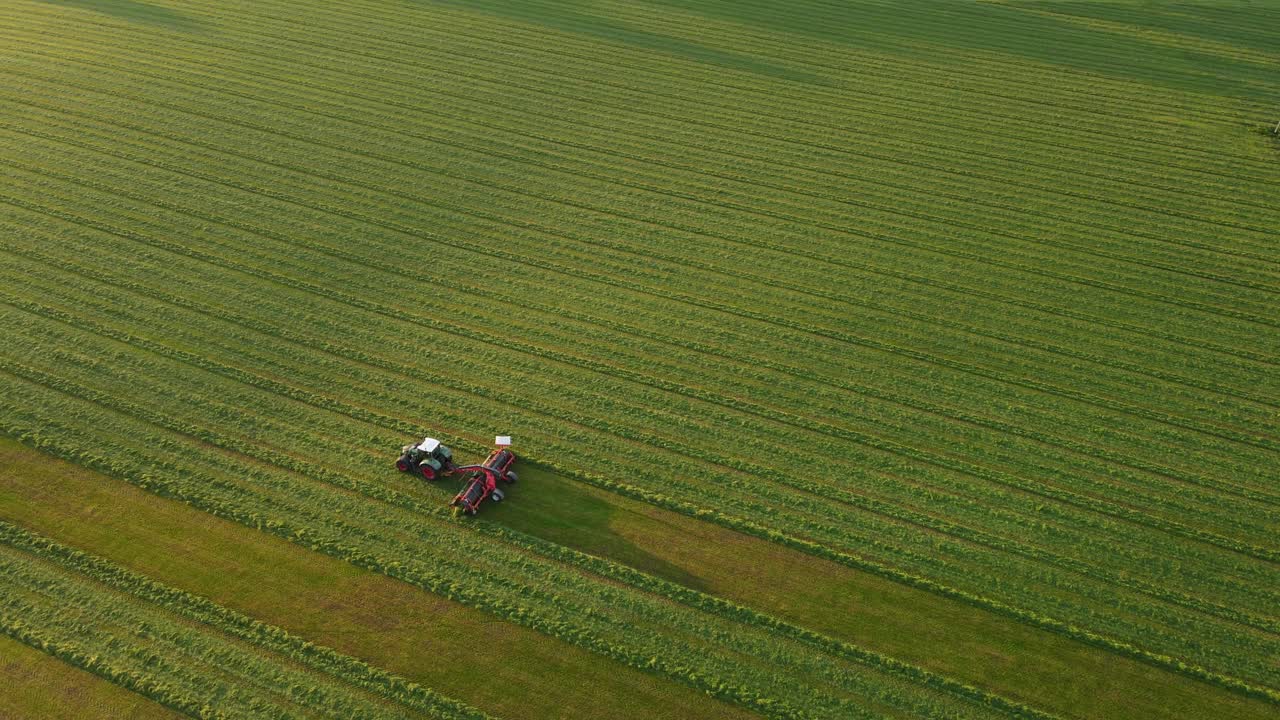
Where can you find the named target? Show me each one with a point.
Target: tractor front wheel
(512, 477)
(402, 465)
(428, 472)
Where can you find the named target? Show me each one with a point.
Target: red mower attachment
(482, 480)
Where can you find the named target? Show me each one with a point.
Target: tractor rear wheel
(428, 472)
(512, 477)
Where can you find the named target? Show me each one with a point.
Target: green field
(865, 359)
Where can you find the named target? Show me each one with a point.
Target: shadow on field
(577, 516)
(134, 11)
(1043, 31)
(576, 16)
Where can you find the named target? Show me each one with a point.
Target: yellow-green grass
(430, 639)
(36, 686)
(504, 669)
(1037, 667)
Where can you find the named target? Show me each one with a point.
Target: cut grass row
(1227, 277)
(622, 626)
(872, 74)
(181, 323)
(386, 623)
(683, 417)
(369, 617)
(143, 648)
(155, 605)
(39, 686)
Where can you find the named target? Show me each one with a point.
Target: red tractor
(482, 480)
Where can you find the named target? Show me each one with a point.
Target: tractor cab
(428, 458)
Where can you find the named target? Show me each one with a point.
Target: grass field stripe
(1005, 479)
(1091, 319)
(945, 169)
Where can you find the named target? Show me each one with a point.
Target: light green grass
(38, 687)
(979, 298)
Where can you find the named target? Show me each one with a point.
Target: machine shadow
(568, 513)
(138, 12)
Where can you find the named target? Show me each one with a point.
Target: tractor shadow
(569, 513)
(138, 12)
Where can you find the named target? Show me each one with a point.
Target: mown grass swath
(132, 635)
(1026, 363)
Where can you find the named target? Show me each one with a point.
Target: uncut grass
(40, 686)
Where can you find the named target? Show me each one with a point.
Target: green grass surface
(389, 624)
(40, 687)
(978, 299)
